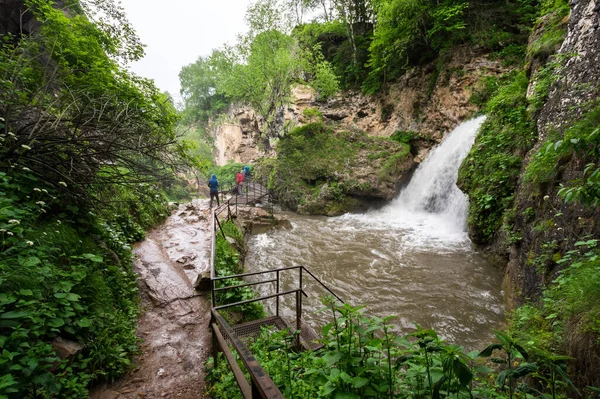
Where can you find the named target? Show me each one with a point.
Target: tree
(199, 90)
(73, 111)
(353, 12)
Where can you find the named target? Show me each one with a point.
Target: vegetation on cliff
(538, 201)
(352, 44)
(320, 171)
(87, 153)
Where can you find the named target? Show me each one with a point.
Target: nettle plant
(363, 357)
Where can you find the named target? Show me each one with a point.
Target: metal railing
(261, 385)
(254, 190)
(278, 293)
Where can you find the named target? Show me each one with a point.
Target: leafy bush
(489, 173)
(227, 263)
(363, 357)
(66, 273)
(581, 140)
(313, 114)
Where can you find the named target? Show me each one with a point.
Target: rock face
(15, 18)
(426, 100)
(237, 140)
(580, 75)
(548, 226)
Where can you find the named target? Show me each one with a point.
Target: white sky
(177, 32)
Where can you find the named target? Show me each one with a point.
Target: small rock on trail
(174, 326)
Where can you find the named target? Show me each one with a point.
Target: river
(411, 259)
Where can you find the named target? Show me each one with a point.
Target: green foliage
(263, 81)
(313, 115)
(308, 157)
(332, 40)
(554, 28)
(325, 81)
(484, 89)
(227, 262)
(401, 31)
(569, 309)
(67, 273)
(363, 357)
(489, 173)
(78, 137)
(391, 169)
(314, 171)
(73, 111)
(582, 141)
(198, 89)
(414, 32)
(226, 174)
(406, 136)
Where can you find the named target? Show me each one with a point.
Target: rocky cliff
(430, 100)
(550, 226)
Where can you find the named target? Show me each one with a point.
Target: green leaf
(487, 352)
(345, 377)
(359, 382)
(483, 369)
(56, 322)
(463, 372)
(523, 370)
(332, 358)
(501, 379)
(16, 314)
(83, 323)
(345, 395)
(31, 261)
(94, 258)
(6, 381)
(72, 297)
(328, 388)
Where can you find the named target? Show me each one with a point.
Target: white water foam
(431, 212)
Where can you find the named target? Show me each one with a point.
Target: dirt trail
(174, 325)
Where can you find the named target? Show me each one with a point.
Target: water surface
(411, 259)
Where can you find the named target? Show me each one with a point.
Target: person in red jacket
(239, 179)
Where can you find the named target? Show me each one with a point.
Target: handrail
(262, 384)
(274, 280)
(238, 374)
(262, 298)
(268, 281)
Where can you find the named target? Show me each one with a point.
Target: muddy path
(174, 325)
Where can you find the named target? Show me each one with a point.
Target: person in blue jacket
(214, 189)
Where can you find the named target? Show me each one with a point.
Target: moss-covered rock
(320, 171)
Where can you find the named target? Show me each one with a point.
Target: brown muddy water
(411, 259)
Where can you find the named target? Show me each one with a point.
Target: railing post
(299, 311)
(212, 292)
(215, 342)
(277, 298)
(213, 272)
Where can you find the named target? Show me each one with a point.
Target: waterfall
(431, 204)
(432, 188)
